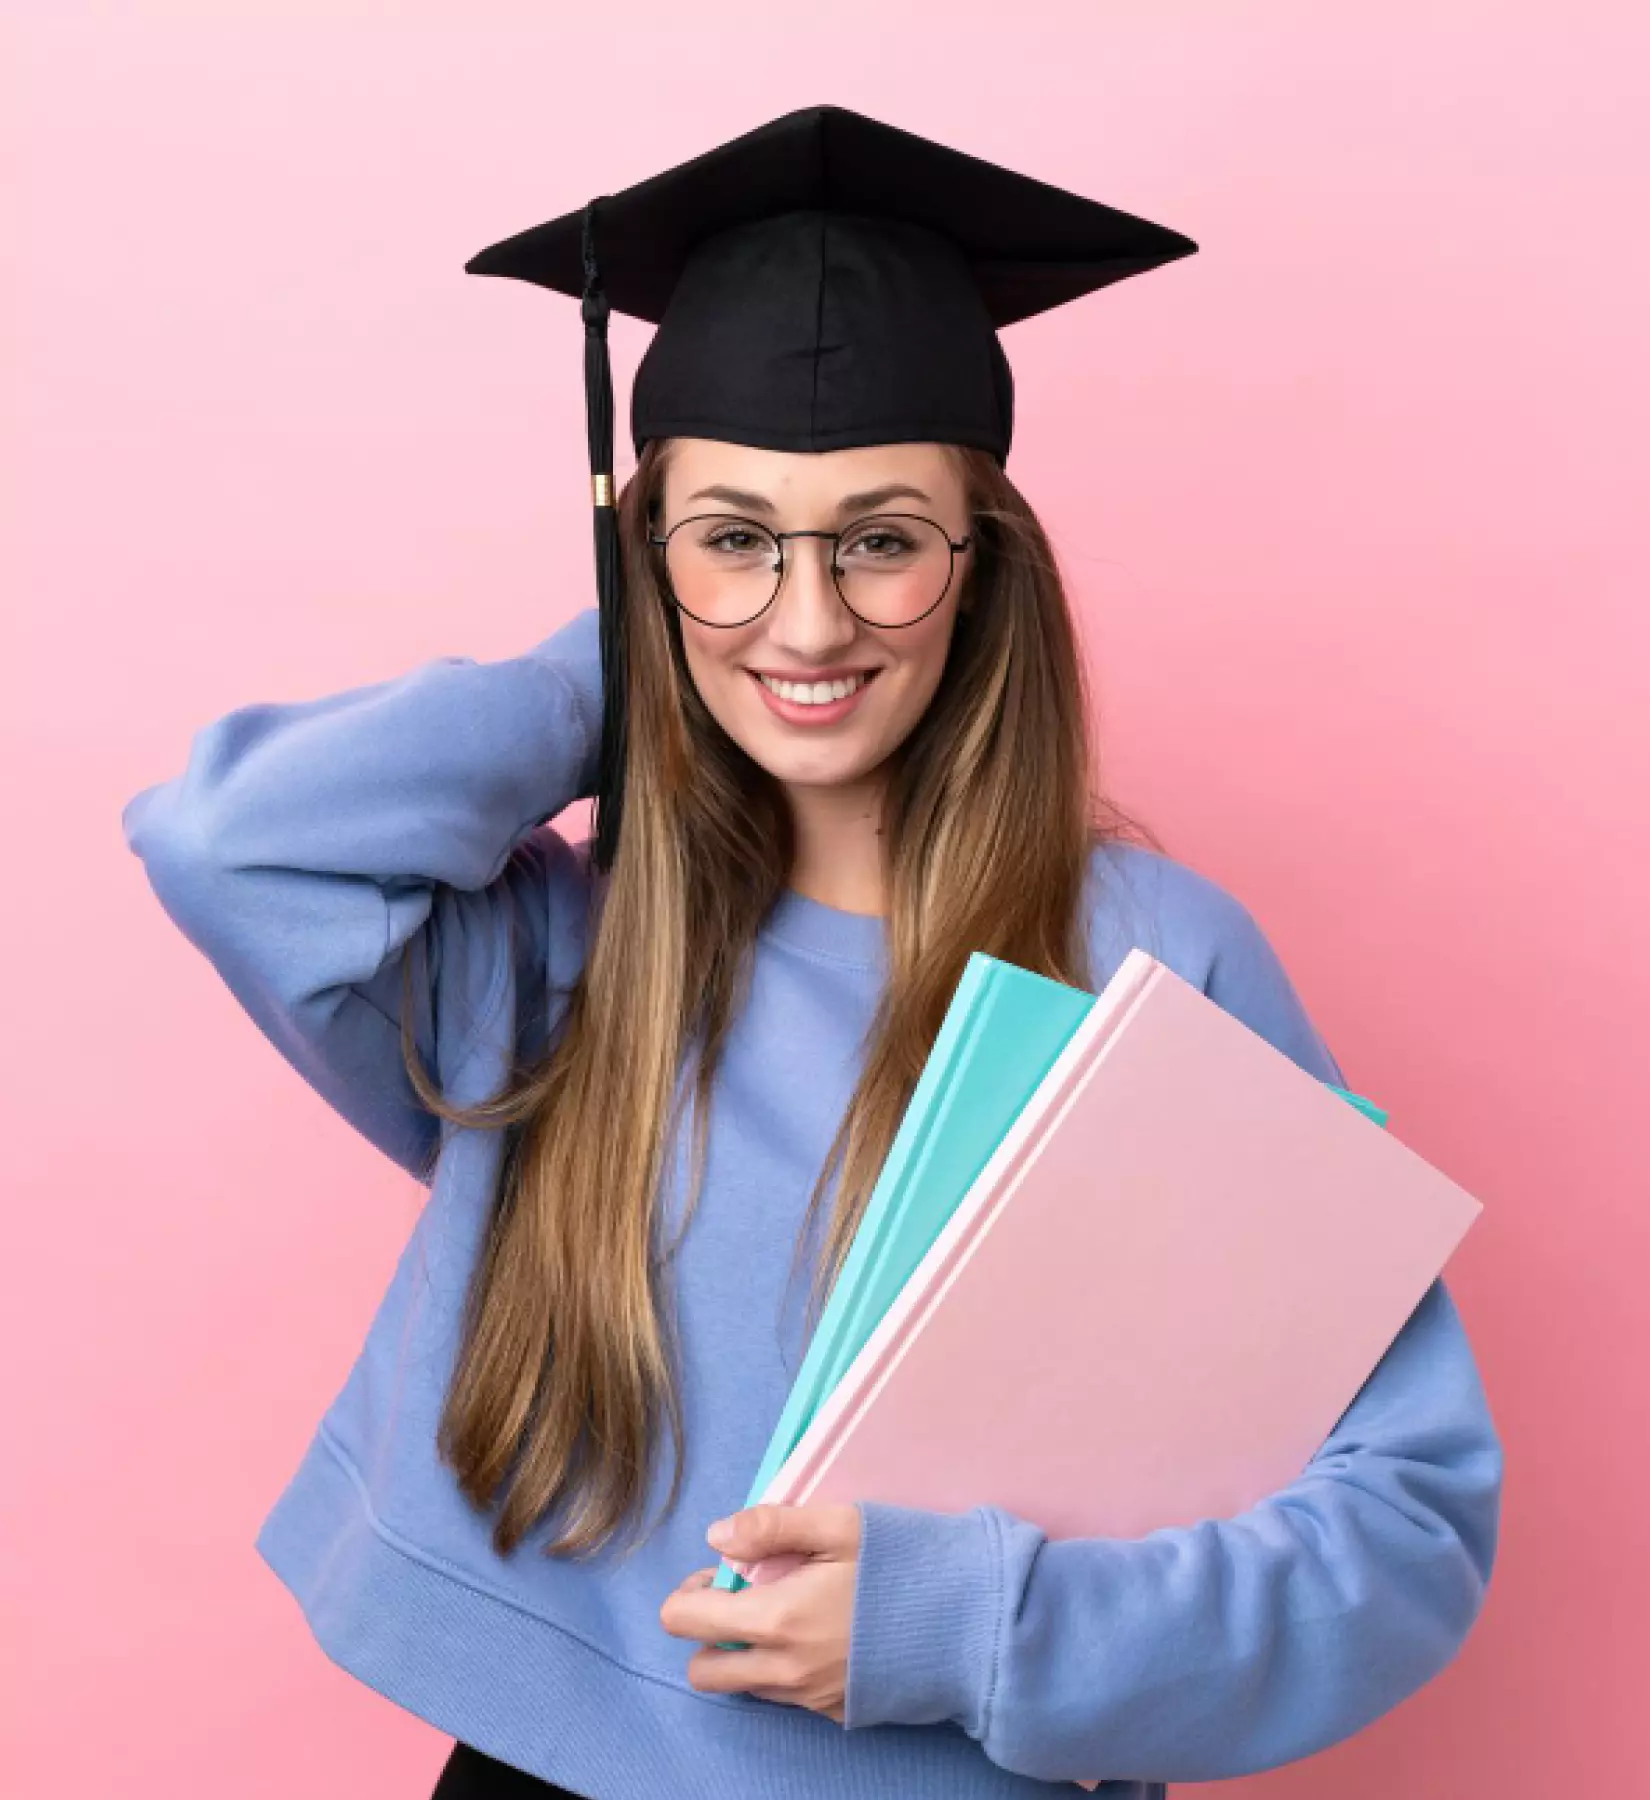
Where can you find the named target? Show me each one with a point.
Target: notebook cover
(1001, 1034)
(1169, 1282)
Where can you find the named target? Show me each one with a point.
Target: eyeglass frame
(955, 545)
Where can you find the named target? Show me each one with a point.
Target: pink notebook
(1156, 1300)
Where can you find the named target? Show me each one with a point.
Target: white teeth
(815, 693)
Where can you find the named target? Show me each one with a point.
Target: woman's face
(807, 634)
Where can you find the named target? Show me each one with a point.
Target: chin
(842, 764)
(808, 771)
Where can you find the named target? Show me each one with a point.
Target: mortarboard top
(821, 282)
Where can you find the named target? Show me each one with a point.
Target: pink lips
(794, 714)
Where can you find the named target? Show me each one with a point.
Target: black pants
(469, 1775)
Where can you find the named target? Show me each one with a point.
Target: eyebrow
(867, 501)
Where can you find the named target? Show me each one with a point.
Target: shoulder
(1207, 936)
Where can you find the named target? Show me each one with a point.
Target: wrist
(927, 1599)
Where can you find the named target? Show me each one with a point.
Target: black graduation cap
(821, 282)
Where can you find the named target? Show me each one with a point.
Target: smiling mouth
(852, 684)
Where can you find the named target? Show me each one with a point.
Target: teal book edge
(1003, 1031)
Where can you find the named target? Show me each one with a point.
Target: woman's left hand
(797, 1626)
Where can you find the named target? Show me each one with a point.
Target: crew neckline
(811, 925)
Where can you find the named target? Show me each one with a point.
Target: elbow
(1321, 1681)
(1475, 1533)
(178, 827)
(172, 836)
(1413, 1615)
(1445, 1609)
(1414, 1567)
(181, 829)
(1480, 1529)
(1419, 1530)
(1461, 1520)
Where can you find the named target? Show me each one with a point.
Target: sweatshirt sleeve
(1226, 1647)
(306, 849)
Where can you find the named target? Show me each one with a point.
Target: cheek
(725, 690)
(925, 656)
(712, 663)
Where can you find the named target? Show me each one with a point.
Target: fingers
(777, 1675)
(818, 1528)
(696, 1609)
(768, 1674)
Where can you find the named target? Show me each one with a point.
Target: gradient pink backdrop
(1346, 501)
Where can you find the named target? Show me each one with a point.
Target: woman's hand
(797, 1624)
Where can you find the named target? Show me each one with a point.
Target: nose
(807, 613)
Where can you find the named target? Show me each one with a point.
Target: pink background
(1344, 501)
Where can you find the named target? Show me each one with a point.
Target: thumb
(773, 1528)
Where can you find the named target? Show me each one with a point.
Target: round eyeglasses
(890, 569)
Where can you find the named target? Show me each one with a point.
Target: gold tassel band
(601, 488)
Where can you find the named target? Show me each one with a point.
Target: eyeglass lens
(891, 569)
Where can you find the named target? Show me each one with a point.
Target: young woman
(650, 1078)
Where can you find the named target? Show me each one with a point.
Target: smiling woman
(833, 678)
(763, 624)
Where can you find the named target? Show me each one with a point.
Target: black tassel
(598, 404)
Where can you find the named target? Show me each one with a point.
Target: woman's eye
(736, 541)
(878, 544)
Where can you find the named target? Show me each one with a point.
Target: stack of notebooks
(1125, 1267)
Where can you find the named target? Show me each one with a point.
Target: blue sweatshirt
(302, 849)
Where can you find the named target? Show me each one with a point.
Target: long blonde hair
(566, 1366)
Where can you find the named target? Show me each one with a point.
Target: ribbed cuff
(927, 1604)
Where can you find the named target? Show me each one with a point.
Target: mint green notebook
(1003, 1031)
(1001, 1034)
